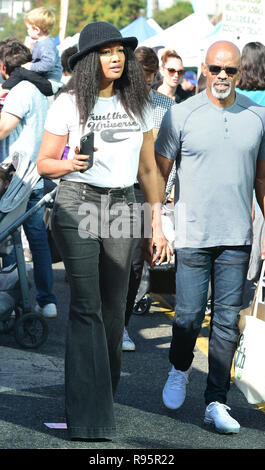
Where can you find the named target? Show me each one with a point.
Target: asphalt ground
(32, 394)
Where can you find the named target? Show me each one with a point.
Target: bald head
(223, 49)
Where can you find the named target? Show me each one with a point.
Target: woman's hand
(156, 249)
(49, 161)
(79, 161)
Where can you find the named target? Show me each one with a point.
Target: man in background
(187, 86)
(22, 122)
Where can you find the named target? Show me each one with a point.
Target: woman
(252, 84)
(106, 94)
(171, 70)
(252, 79)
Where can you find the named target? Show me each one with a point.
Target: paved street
(32, 392)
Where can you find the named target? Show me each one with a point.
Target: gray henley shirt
(216, 150)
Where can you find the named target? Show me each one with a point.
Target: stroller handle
(45, 200)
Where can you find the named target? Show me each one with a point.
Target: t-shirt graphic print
(117, 137)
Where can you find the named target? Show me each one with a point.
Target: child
(45, 56)
(9, 54)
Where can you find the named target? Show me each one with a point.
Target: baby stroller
(160, 279)
(30, 329)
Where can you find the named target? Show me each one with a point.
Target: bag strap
(259, 288)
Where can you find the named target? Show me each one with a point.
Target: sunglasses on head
(173, 71)
(216, 69)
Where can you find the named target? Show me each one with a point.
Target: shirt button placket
(226, 129)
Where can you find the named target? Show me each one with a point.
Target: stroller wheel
(31, 330)
(143, 306)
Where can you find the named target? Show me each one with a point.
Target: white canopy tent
(69, 41)
(240, 41)
(242, 22)
(154, 25)
(185, 37)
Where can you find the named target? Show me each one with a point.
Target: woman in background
(252, 79)
(172, 71)
(252, 84)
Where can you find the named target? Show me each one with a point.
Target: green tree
(15, 29)
(118, 12)
(80, 12)
(18, 29)
(173, 15)
(75, 17)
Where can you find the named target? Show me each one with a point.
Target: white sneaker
(217, 415)
(127, 343)
(48, 311)
(174, 391)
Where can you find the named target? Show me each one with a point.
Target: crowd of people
(155, 127)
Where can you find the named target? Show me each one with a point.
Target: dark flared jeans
(137, 262)
(227, 268)
(91, 226)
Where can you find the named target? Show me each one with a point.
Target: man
(217, 138)
(148, 60)
(4, 144)
(186, 88)
(22, 122)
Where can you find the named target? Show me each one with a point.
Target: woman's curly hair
(130, 87)
(252, 67)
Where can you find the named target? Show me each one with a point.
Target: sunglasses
(216, 69)
(173, 71)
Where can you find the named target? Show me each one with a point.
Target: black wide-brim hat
(95, 35)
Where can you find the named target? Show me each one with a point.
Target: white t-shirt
(118, 139)
(27, 103)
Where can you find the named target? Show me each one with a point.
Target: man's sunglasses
(216, 69)
(173, 71)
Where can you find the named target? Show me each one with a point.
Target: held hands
(156, 249)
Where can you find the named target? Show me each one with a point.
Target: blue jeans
(98, 267)
(227, 268)
(36, 234)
